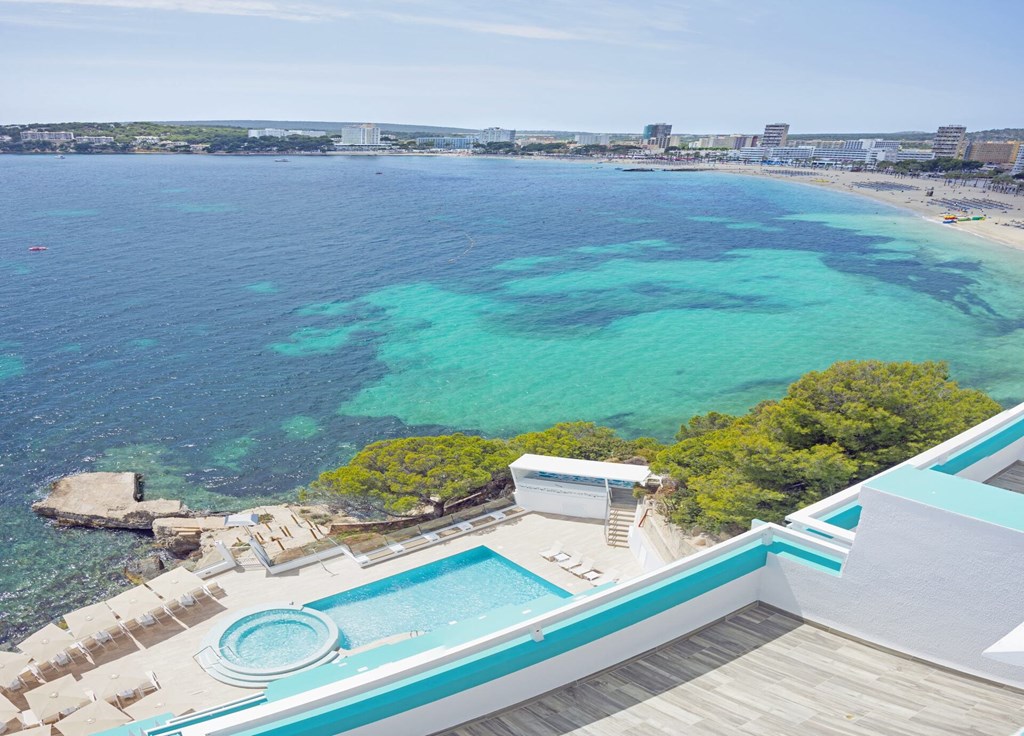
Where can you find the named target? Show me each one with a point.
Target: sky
(588, 65)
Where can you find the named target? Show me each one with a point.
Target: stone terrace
(167, 649)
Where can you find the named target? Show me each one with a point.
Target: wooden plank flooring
(1012, 478)
(762, 672)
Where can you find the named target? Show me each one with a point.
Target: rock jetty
(105, 500)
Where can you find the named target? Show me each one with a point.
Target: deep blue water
(232, 326)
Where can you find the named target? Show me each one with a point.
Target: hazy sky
(600, 65)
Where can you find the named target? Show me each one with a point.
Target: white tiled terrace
(167, 649)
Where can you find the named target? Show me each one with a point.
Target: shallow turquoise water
(230, 327)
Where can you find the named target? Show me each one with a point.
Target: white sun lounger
(552, 552)
(609, 577)
(587, 565)
(573, 561)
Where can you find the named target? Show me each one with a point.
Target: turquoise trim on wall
(983, 449)
(523, 652)
(846, 517)
(955, 495)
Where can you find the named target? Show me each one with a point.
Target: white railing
(392, 673)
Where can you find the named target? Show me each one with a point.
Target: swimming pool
(275, 638)
(456, 588)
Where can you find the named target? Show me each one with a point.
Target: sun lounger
(552, 552)
(465, 526)
(432, 536)
(497, 515)
(609, 577)
(396, 548)
(586, 566)
(574, 560)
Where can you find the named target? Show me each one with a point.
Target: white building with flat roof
(581, 488)
(1018, 165)
(366, 134)
(47, 135)
(100, 139)
(496, 135)
(593, 139)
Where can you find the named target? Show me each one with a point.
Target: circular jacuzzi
(259, 645)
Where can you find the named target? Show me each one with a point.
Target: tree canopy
(831, 429)
(402, 477)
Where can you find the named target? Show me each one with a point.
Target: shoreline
(911, 198)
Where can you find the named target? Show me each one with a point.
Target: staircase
(621, 513)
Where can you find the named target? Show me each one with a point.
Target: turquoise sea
(232, 326)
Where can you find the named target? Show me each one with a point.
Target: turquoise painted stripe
(137, 727)
(846, 517)
(955, 495)
(523, 652)
(202, 717)
(988, 446)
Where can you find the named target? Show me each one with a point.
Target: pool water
(274, 638)
(456, 588)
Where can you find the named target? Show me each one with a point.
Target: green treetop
(401, 477)
(831, 429)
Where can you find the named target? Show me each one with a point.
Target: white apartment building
(95, 139)
(1018, 165)
(47, 135)
(497, 135)
(593, 139)
(949, 141)
(914, 154)
(282, 133)
(366, 134)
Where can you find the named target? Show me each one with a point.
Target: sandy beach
(998, 227)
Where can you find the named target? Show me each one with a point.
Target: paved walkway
(763, 672)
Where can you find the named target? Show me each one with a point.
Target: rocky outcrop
(109, 500)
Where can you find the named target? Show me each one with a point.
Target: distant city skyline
(531, 66)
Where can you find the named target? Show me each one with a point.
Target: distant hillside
(997, 134)
(323, 125)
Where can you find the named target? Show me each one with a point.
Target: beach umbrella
(176, 583)
(51, 699)
(37, 731)
(135, 603)
(47, 643)
(8, 710)
(114, 685)
(90, 620)
(158, 704)
(92, 718)
(11, 666)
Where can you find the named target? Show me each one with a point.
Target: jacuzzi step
(236, 679)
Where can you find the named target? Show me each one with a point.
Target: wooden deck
(763, 672)
(1012, 478)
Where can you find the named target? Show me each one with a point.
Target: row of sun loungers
(579, 565)
(427, 538)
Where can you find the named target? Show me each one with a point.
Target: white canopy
(11, 666)
(8, 710)
(585, 468)
(37, 731)
(114, 685)
(176, 583)
(47, 643)
(1010, 648)
(87, 621)
(93, 718)
(135, 603)
(52, 698)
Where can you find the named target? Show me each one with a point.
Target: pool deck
(763, 672)
(167, 649)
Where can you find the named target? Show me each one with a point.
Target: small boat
(61, 156)
(37, 248)
(280, 160)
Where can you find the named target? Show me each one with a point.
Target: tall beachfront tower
(1018, 166)
(775, 135)
(657, 133)
(949, 141)
(496, 135)
(366, 134)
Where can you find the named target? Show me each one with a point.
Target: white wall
(919, 580)
(580, 662)
(562, 499)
